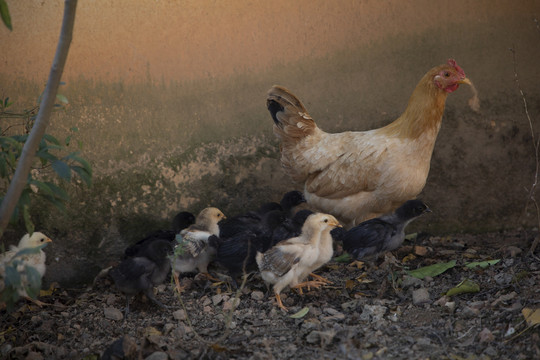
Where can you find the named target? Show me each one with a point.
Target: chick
(242, 222)
(290, 261)
(291, 227)
(181, 221)
(22, 256)
(141, 273)
(379, 235)
(237, 253)
(197, 243)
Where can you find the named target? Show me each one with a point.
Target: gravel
(366, 313)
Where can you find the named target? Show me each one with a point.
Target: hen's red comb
(454, 64)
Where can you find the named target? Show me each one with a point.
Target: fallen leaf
(411, 236)
(343, 258)
(349, 284)
(532, 317)
(482, 264)
(432, 270)
(408, 258)
(466, 286)
(300, 314)
(420, 250)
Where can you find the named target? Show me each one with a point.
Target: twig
(536, 144)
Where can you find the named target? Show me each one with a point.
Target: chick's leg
(319, 278)
(279, 303)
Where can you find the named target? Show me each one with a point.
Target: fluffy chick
(197, 243)
(144, 271)
(181, 221)
(33, 259)
(240, 223)
(379, 235)
(237, 253)
(290, 261)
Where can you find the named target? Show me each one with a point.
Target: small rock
(32, 355)
(257, 295)
(158, 355)
(113, 314)
(179, 315)
(503, 279)
(469, 312)
(216, 299)
(420, 250)
(409, 281)
(207, 309)
(229, 304)
(373, 312)
(423, 341)
(322, 337)
(491, 351)
(167, 328)
(421, 296)
(349, 305)
(450, 306)
(486, 336)
(513, 251)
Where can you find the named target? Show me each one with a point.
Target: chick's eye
(325, 220)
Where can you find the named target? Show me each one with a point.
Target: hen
(386, 233)
(28, 260)
(361, 175)
(289, 262)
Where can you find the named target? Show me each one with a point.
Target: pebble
(257, 295)
(373, 312)
(503, 279)
(486, 335)
(216, 299)
(322, 337)
(421, 296)
(158, 355)
(113, 314)
(179, 315)
(409, 281)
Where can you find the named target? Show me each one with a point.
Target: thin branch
(18, 181)
(532, 191)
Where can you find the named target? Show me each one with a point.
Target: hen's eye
(446, 74)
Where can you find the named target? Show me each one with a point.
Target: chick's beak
(48, 240)
(335, 224)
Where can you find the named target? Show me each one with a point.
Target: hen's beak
(465, 81)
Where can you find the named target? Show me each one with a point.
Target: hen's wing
(368, 238)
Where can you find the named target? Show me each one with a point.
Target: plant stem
(20, 177)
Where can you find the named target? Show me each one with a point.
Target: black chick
(239, 223)
(291, 227)
(141, 273)
(237, 253)
(181, 221)
(379, 235)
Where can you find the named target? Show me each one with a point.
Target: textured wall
(169, 98)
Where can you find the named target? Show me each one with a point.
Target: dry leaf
(532, 317)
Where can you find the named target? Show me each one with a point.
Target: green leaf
(482, 264)
(27, 220)
(29, 251)
(466, 286)
(4, 13)
(51, 139)
(62, 169)
(432, 270)
(43, 188)
(83, 174)
(62, 98)
(343, 258)
(33, 279)
(13, 278)
(3, 167)
(58, 191)
(300, 314)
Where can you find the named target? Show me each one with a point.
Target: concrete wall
(169, 99)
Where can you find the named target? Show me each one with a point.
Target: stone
(113, 314)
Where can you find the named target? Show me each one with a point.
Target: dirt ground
(369, 312)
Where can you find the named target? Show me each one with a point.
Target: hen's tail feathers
(291, 119)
